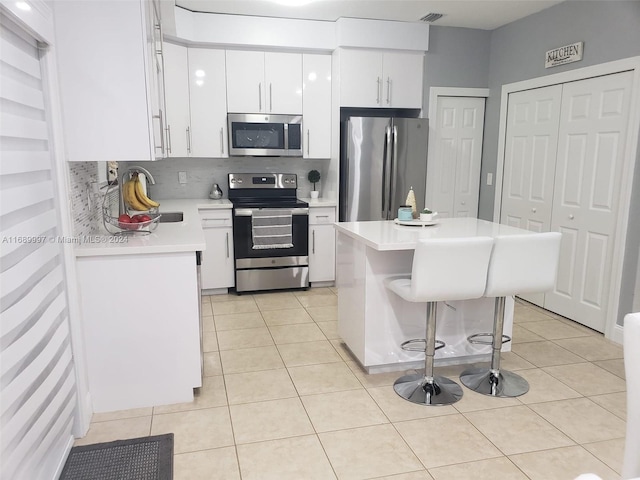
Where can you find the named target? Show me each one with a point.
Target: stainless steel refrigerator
(381, 159)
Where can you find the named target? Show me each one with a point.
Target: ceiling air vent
(431, 17)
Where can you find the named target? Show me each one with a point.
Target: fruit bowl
(146, 222)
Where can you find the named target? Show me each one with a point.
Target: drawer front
(319, 215)
(215, 218)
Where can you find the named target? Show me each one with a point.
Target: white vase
(314, 194)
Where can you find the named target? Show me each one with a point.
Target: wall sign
(563, 55)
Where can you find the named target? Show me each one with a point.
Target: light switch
(182, 177)
(489, 178)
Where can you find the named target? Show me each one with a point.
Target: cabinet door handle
(227, 243)
(388, 90)
(270, 99)
(260, 96)
(222, 141)
(308, 141)
(571, 217)
(313, 241)
(534, 210)
(169, 138)
(322, 216)
(160, 119)
(188, 139)
(378, 91)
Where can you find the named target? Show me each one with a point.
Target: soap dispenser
(216, 193)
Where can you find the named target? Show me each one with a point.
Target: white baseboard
(618, 334)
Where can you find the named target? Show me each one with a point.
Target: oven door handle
(248, 212)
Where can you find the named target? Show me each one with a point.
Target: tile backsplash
(202, 173)
(85, 201)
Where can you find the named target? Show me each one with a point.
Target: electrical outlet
(182, 177)
(489, 178)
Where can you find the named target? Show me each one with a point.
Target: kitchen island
(373, 321)
(141, 309)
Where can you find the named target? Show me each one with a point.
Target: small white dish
(428, 217)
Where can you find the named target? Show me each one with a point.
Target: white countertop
(386, 235)
(320, 202)
(185, 236)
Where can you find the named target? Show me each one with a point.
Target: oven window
(243, 243)
(257, 135)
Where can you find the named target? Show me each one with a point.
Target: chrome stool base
(482, 380)
(416, 389)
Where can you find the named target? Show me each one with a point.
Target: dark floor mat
(145, 458)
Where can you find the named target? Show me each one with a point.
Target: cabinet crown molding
(242, 31)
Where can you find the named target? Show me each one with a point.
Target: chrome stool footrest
(408, 345)
(474, 339)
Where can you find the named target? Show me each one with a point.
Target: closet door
(592, 136)
(453, 173)
(530, 158)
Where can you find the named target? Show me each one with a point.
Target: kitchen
(456, 57)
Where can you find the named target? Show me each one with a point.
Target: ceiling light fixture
(23, 6)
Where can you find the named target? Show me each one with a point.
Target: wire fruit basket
(135, 223)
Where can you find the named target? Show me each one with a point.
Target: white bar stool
(519, 264)
(442, 270)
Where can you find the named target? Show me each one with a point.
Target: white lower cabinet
(216, 270)
(322, 244)
(141, 329)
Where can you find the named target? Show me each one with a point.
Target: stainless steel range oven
(270, 232)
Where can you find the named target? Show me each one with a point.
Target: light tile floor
(283, 399)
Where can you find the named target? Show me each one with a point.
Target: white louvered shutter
(37, 380)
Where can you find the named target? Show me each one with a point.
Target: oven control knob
(239, 180)
(273, 262)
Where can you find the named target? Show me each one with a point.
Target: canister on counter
(405, 212)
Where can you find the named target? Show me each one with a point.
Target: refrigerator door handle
(394, 171)
(385, 155)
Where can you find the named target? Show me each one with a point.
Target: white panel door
(207, 86)
(453, 173)
(592, 135)
(530, 158)
(176, 84)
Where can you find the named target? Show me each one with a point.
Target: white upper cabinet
(316, 106)
(207, 85)
(110, 72)
(177, 98)
(371, 78)
(259, 82)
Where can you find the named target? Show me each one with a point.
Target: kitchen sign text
(562, 55)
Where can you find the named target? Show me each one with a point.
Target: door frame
(434, 93)
(612, 330)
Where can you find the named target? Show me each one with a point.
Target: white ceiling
(482, 14)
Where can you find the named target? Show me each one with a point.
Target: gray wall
(457, 57)
(610, 31)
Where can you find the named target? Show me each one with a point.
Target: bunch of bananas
(135, 197)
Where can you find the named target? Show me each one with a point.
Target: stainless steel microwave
(261, 135)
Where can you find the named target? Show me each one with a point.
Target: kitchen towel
(271, 228)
